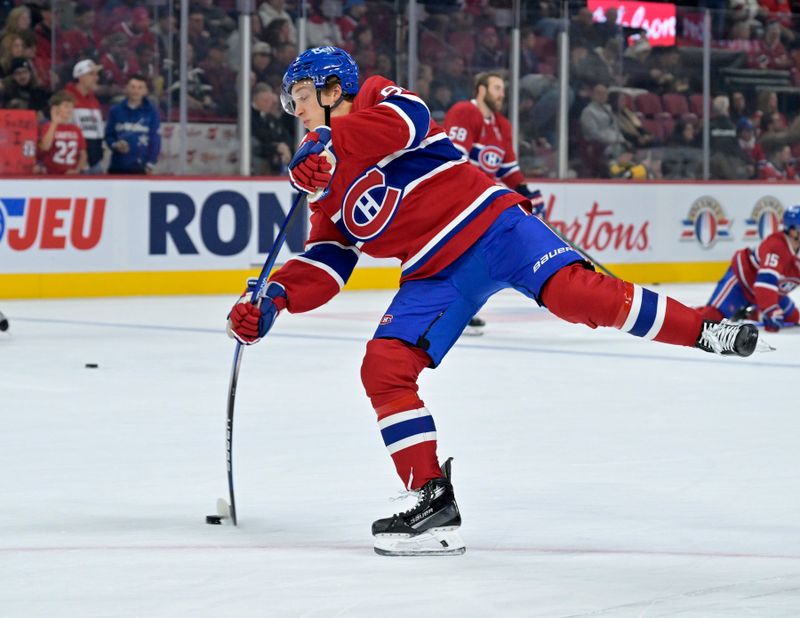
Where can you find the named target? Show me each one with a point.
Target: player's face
(306, 106)
(495, 94)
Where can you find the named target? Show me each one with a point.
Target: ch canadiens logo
(369, 205)
(491, 158)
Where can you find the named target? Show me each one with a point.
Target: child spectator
(87, 113)
(61, 148)
(132, 131)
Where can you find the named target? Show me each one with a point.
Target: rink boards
(122, 236)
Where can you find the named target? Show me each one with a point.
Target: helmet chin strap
(328, 108)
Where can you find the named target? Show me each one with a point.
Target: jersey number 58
(457, 134)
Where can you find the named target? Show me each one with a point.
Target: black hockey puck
(213, 519)
(92, 365)
(3, 324)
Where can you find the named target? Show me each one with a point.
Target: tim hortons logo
(597, 230)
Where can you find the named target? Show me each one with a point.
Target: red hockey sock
(710, 313)
(582, 296)
(389, 374)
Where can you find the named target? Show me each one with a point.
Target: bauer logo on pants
(706, 223)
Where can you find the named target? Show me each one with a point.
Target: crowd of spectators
(632, 105)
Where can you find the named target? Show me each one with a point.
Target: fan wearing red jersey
(62, 148)
(483, 135)
(385, 180)
(762, 278)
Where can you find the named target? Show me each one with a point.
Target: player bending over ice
(759, 280)
(385, 180)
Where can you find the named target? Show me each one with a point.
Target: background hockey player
(483, 135)
(384, 180)
(762, 278)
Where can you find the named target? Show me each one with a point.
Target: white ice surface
(597, 474)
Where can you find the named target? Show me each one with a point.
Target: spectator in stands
(199, 37)
(529, 59)
(18, 21)
(137, 29)
(779, 164)
(582, 30)
(222, 79)
(167, 34)
(768, 105)
(198, 88)
(11, 46)
(772, 54)
(81, 41)
(639, 69)
(728, 162)
(21, 90)
(262, 57)
(599, 124)
(610, 55)
(682, 158)
(452, 73)
(321, 28)
(271, 137)
(217, 21)
(87, 113)
(132, 132)
(278, 33)
(489, 51)
(271, 10)
(355, 14)
(117, 65)
(43, 61)
(61, 148)
(629, 123)
(608, 29)
(441, 100)
(234, 40)
(746, 134)
(624, 165)
(738, 106)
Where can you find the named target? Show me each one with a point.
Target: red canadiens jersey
(768, 272)
(400, 189)
(486, 142)
(65, 150)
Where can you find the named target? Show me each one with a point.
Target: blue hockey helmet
(791, 218)
(318, 64)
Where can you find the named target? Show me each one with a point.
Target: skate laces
(719, 337)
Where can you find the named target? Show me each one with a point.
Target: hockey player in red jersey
(483, 135)
(384, 180)
(763, 278)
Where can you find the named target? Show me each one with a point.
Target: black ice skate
(728, 338)
(429, 528)
(475, 327)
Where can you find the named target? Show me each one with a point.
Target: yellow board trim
(73, 285)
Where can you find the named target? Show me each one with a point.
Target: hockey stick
(228, 509)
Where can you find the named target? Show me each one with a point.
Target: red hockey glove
(535, 197)
(249, 323)
(772, 318)
(313, 165)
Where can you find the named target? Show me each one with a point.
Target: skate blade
(433, 542)
(223, 509)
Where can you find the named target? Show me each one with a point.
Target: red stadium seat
(648, 104)
(675, 104)
(655, 127)
(696, 105)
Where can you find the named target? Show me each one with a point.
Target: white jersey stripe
(661, 312)
(636, 307)
(401, 417)
(450, 226)
(411, 441)
(412, 131)
(322, 266)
